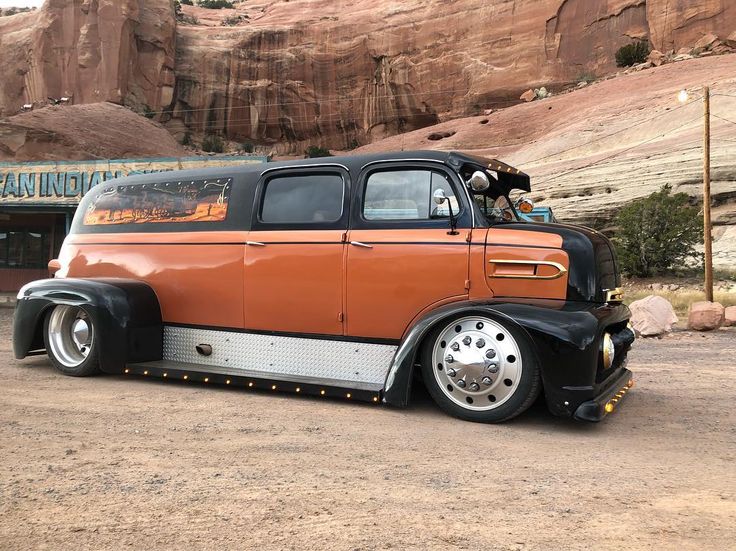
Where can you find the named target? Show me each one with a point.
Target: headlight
(609, 351)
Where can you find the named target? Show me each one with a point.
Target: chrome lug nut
(451, 372)
(467, 341)
(490, 354)
(461, 383)
(455, 346)
(449, 359)
(493, 368)
(486, 381)
(480, 343)
(475, 387)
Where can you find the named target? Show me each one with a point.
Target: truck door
(294, 252)
(401, 255)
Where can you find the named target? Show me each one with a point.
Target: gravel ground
(109, 462)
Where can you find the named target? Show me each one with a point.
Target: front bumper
(607, 401)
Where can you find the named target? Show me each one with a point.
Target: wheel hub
(477, 363)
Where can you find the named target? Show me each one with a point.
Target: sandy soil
(110, 462)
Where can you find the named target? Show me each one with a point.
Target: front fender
(126, 314)
(565, 335)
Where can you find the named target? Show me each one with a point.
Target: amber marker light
(273, 387)
(166, 375)
(348, 395)
(145, 372)
(609, 407)
(250, 384)
(127, 370)
(298, 389)
(186, 377)
(322, 392)
(206, 379)
(227, 382)
(375, 398)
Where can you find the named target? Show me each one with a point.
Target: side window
(302, 199)
(407, 195)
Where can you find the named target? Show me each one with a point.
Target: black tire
(64, 351)
(522, 372)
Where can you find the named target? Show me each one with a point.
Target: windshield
(495, 210)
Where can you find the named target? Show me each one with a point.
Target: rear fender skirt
(565, 334)
(125, 312)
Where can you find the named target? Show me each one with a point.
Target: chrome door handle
(255, 243)
(359, 244)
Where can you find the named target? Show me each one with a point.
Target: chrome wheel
(477, 363)
(70, 335)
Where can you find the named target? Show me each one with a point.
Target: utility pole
(707, 235)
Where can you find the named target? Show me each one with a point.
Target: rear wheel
(71, 341)
(479, 369)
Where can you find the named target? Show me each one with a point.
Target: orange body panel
(197, 276)
(402, 273)
(294, 281)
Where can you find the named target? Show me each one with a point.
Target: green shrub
(658, 233)
(148, 112)
(187, 139)
(213, 144)
(248, 147)
(187, 2)
(631, 54)
(317, 151)
(215, 4)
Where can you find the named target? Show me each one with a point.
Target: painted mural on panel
(174, 201)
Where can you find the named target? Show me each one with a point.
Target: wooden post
(707, 235)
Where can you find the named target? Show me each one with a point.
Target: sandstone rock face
(730, 316)
(77, 132)
(91, 51)
(652, 316)
(705, 316)
(334, 72)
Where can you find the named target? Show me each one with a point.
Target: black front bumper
(607, 401)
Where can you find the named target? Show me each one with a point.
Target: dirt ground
(111, 462)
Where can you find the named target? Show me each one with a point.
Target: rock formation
(336, 73)
(78, 132)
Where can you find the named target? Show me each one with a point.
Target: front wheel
(71, 341)
(479, 369)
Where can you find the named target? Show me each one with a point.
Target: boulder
(705, 316)
(656, 58)
(706, 42)
(529, 95)
(652, 316)
(730, 40)
(730, 316)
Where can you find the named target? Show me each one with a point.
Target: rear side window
(160, 202)
(303, 199)
(406, 195)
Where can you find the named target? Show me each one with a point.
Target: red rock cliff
(331, 72)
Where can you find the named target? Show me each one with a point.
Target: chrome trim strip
(561, 270)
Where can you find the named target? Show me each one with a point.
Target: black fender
(566, 336)
(126, 314)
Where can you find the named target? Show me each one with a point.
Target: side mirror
(479, 181)
(440, 196)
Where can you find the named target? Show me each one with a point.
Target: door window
(303, 199)
(407, 195)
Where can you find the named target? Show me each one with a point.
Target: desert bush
(631, 54)
(215, 4)
(187, 139)
(658, 233)
(317, 151)
(248, 147)
(187, 2)
(213, 144)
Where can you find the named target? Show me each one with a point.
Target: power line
(608, 135)
(565, 173)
